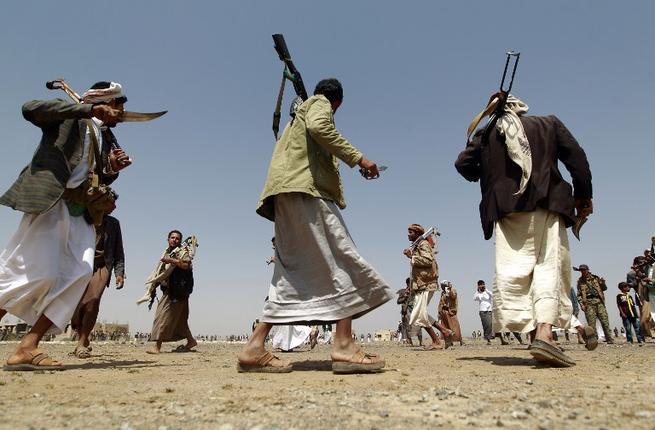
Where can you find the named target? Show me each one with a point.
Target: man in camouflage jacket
(592, 300)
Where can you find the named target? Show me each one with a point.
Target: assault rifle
(291, 73)
(496, 105)
(431, 231)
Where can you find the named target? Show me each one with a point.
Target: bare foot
(353, 351)
(253, 356)
(190, 344)
(433, 346)
(544, 332)
(34, 357)
(153, 351)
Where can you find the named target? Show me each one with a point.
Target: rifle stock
(291, 71)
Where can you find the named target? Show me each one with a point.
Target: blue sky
(414, 74)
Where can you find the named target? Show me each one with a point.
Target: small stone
(519, 415)
(126, 426)
(435, 407)
(458, 393)
(529, 382)
(643, 414)
(545, 425)
(522, 398)
(546, 404)
(424, 398)
(499, 423)
(384, 414)
(572, 415)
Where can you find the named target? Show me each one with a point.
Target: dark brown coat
(486, 160)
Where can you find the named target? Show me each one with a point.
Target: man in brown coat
(529, 204)
(423, 283)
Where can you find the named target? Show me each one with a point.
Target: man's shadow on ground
(113, 364)
(504, 361)
(320, 365)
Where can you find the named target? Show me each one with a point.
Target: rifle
(291, 73)
(431, 231)
(496, 105)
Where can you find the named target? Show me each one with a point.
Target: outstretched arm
(44, 113)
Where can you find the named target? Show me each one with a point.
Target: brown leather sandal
(356, 364)
(266, 363)
(35, 360)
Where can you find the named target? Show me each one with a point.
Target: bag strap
(96, 149)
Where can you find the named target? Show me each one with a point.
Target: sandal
(82, 352)
(356, 364)
(36, 360)
(266, 363)
(182, 348)
(546, 353)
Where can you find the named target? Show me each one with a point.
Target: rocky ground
(471, 386)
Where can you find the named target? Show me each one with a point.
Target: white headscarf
(103, 95)
(518, 148)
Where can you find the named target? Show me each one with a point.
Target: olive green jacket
(306, 158)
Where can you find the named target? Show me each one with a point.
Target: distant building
(13, 330)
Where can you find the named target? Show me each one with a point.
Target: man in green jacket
(319, 277)
(47, 265)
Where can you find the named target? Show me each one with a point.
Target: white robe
(288, 337)
(46, 267)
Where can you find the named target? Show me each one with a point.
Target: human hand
(119, 159)
(106, 114)
(120, 281)
(407, 252)
(369, 169)
(584, 207)
(168, 260)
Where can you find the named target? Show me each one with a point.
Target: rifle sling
(278, 106)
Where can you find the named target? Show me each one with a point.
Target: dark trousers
(485, 318)
(634, 322)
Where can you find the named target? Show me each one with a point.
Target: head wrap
(445, 283)
(104, 95)
(518, 148)
(510, 127)
(581, 268)
(418, 228)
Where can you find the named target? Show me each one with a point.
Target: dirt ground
(471, 386)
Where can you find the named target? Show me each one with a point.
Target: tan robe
(448, 313)
(171, 320)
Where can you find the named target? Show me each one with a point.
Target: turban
(104, 95)
(418, 228)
